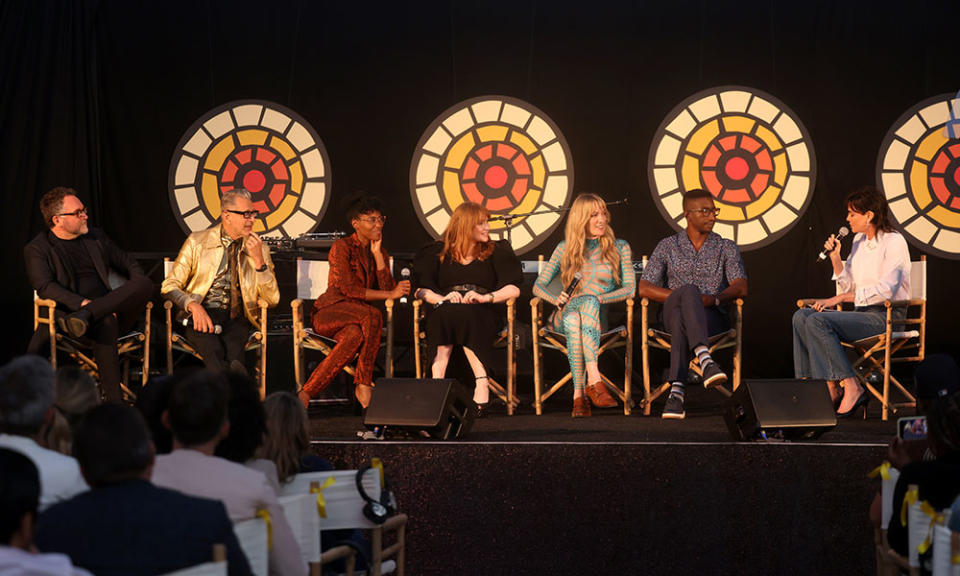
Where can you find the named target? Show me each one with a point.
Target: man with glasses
(694, 274)
(217, 279)
(359, 272)
(71, 264)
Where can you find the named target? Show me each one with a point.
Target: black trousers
(114, 314)
(690, 325)
(225, 350)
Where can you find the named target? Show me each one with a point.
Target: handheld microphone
(404, 275)
(188, 321)
(572, 286)
(843, 231)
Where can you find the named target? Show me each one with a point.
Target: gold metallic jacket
(196, 267)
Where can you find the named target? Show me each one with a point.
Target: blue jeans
(817, 336)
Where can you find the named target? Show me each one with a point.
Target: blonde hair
(578, 220)
(458, 237)
(287, 439)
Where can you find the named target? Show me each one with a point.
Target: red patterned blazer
(353, 270)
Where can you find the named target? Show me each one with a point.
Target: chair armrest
(898, 303)
(45, 302)
(804, 302)
(262, 304)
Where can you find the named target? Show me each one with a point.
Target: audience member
(247, 428)
(124, 524)
(76, 393)
(938, 479)
(26, 411)
(197, 416)
(287, 441)
(19, 498)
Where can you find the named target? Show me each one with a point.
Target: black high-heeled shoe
(861, 402)
(481, 408)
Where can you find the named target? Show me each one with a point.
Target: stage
(529, 494)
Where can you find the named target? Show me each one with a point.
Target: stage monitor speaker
(441, 407)
(775, 409)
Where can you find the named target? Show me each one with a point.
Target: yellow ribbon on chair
(935, 517)
(882, 470)
(321, 501)
(911, 497)
(378, 464)
(263, 513)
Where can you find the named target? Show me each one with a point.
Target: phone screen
(912, 428)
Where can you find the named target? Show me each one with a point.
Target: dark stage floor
(704, 423)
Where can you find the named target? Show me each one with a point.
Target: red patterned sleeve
(341, 273)
(384, 277)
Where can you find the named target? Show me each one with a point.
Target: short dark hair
(943, 424)
(51, 203)
(198, 407)
(113, 445)
(26, 394)
(870, 199)
(19, 492)
(248, 420)
(695, 194)
(359, 203)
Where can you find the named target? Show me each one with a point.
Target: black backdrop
(96, 95)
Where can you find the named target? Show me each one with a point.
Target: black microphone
(572, 286)
(404, 275)
(843, 231)
(188, 321)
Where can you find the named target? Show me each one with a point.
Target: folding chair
(903, 340)
(256, 341)
(216, 567)
(134, 344)
(545, 337)
(312, 278)
(888, 482)
(343, 508)
(653, 338)
(254, 539)
(943, 550)
(303, 515)
(505, 339)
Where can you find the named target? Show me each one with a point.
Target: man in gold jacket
(217, 279)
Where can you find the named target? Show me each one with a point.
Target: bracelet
(492, 298)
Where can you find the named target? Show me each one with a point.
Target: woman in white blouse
(877, 269)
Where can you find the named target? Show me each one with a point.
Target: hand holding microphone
(832, 243)
(565, 295)
(405, 277)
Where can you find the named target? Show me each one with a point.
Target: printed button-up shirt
(675, 263)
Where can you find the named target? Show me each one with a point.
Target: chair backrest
(344, 505)
(942, 551)
(918, 526)
(312, 278)
(303, 517)
(918, 279)
(887, 486)
(252, 535)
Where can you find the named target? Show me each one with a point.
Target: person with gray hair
(26, 411)
(217, 279)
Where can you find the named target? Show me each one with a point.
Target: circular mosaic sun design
(262, 147)
(502, 153)
(918, 169)
(747, 149)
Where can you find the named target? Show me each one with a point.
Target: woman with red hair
(463, 277)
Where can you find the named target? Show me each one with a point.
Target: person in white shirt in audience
(19, 497)
(197, 417)
(26, 411)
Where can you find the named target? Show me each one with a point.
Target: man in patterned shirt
(693, 273)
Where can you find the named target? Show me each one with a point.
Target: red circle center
(495, 177)
(956, 176)
(253, 181)
(736, 168)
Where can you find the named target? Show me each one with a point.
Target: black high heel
(862, 401)
(481, 408)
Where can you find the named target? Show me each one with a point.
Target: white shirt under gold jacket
(196, 268)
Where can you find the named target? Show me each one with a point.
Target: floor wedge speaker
(441, 407)
(773, 409)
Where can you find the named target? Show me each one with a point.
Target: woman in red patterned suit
(358, 272)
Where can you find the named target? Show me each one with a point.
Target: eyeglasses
(76, 213)
(706, 211)
(247, 214)
(372, 220)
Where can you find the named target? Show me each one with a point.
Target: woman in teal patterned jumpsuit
(606, 269)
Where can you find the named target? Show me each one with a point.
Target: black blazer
(137, 528)
(52, 277)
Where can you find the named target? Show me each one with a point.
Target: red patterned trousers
(356, 328)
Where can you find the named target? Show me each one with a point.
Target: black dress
(472, 325)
